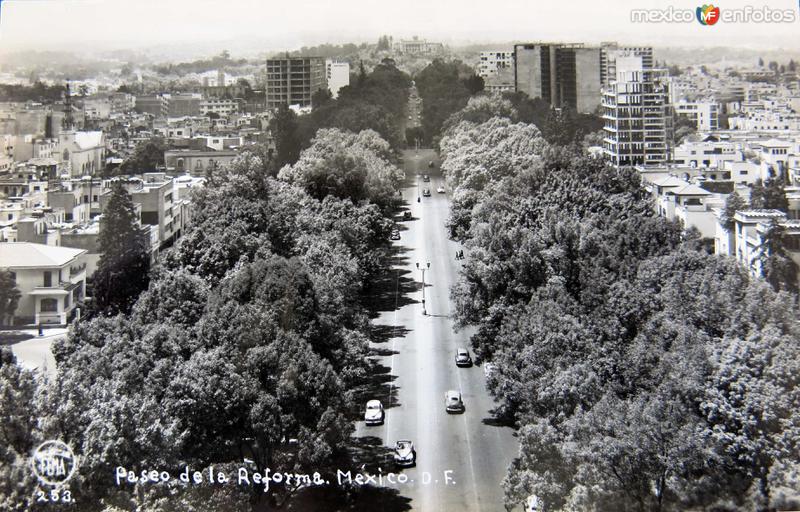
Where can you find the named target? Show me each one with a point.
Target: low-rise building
(51, 281)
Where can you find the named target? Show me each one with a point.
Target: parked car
(395, 235)
(426, 178)
(463, 358)
(431, 164)
(407, 214)
(404, 453)
(440, 189)
(373, 415)
(426, 192)
(453, 402)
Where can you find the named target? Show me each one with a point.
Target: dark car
(395, 235)
(431, 164)
(426, 192)
(407, 214)
(426, 178)
(462, 357)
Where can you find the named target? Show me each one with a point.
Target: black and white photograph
(369, 256)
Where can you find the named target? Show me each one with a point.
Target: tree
(769, 195)
(147, 157)
(792, 65)
(9, 296)
(122, 272)
(683, 128)
(760, 62)
(733, 204)
(284, 130)
(777, 266)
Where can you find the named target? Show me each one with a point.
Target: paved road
(421, 358)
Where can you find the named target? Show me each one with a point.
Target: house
(51, 280)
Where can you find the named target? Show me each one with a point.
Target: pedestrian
(461, 254)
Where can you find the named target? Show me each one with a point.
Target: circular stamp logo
(54, 463)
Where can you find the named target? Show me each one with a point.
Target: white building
(338, 74)
(637, 113)
(493, 61)
(51, 280)
(704, 114)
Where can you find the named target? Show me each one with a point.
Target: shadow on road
(367, 455)
(384, 333)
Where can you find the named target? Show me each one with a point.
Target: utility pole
(423, 269)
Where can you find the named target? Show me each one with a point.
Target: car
(431, 164)
(407, 214)
(426, 192)
(533, 504)
(374, 414)
(453, 402)
(395, 235)
(462, 357)
(404, 453)
(409, 118)
(426, 178)
(440, 190)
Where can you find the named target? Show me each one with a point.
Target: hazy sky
(99, 24)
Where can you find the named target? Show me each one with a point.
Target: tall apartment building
(564, 75)
(338, 75)
(608, 56)
(293, 80)
(637, 113)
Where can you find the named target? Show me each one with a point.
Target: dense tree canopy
(642, 373)
(249, 343)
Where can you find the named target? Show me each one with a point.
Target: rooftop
(30, 255)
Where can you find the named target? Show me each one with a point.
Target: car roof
(461, 350)
(453, 394)
(373, 402)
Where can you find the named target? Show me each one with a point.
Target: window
(48, 279)
(48, 305)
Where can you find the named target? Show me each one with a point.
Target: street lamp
(423, 269)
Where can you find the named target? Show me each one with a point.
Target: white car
(404, 453)
(453, 402)
(440, 190)
(374, 414)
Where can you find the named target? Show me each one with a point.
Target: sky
(277, 25)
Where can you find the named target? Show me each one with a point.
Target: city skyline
(308, 23)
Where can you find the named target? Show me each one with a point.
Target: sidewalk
(35, 353)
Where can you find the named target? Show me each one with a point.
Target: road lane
(470, 445)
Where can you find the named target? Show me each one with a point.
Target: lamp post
(423, 269)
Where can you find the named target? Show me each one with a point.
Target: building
(493, 61)
(564, 75)
(156, 105)
(294, 80)
(85, 152)
(608, 57)
(417, 46)
(749, 235)
(184, 105)
(220, 107)
(637, 114)
(704, 114)
(197, 161)
(338, 75)
(51, 280)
